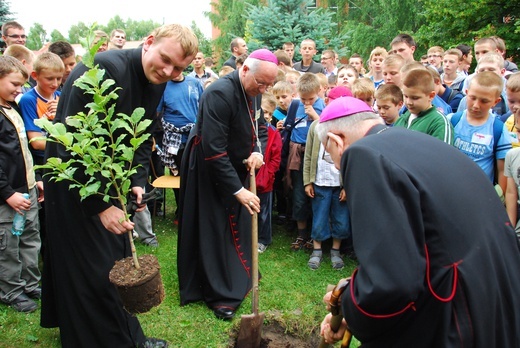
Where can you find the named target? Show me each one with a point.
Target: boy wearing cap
(437, 254)
(422, 116)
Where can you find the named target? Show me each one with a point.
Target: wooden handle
(254, 246)
(337, 317)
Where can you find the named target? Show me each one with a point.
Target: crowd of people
(333, 162)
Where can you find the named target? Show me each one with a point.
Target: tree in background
(57, 36)
(293, 20)
(452, 22)
(229, 17)
(36, 37)
(5, 12)
(204, 43)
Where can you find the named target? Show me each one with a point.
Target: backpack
(287, 129)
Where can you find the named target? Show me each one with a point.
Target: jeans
(265, 232)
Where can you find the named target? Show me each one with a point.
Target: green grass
(289, 293)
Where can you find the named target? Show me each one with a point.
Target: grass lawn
(289, 293)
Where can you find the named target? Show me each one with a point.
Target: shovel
(250, 334)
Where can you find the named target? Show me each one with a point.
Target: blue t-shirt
(33, 106)
(300, 130)
(180, 102)
(477, 143)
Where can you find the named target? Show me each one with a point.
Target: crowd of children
(478, 113)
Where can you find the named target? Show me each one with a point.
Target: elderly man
(86, 237)
(214, 252)
(438, 258)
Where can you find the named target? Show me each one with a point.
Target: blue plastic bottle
(19, 220)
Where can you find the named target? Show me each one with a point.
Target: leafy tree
(204, 43)
(37, 37)
(137, 30)
(374, 23)
(291, 20)
(230, 19)
(452, 22)
(78, 31)
(115, 23)
(57, 36)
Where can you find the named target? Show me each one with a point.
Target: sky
(62, 14)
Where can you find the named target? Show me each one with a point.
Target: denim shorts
(331, 217)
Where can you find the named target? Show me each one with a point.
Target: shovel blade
(250, 334)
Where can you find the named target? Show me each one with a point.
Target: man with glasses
(435, 55)
(117, 39)
(13, 33)
(328, 60)
(215, 206)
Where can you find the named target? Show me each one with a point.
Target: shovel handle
(337, 317)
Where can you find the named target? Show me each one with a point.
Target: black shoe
(224, 313)
(152, 342)
(23, 304)
(36, 294)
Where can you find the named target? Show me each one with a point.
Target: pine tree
(293, 21)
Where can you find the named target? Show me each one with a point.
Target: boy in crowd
(117, 39)
(363, 89)
(467, 58)
(288, 47)
(357, 62)
(42, 100)
(512, 174)
(283, 94)
(26, 57)
(422, 116)
(330, 215)
(451, 77)
(389, 100)
(375, 64)
(492, 62)
(65, 51)
(200, 71)
(404, 45)
(392, 69)
(309, 110)
(513, 102)
(435, 55)
(265, 178)
(328, 60)
(19, 273)
(479, 134)
(449, 96)
(292, 76)
(324, 85)
(307, 64)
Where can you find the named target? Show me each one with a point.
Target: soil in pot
(139, 289)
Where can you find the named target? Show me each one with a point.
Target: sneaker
(23, 304)
(336, 260)
(261, 247)
(152, 342)
(35, 294)
(315, 260)
(298, 244)
(151, 243)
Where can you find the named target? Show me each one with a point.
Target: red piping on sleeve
(376, 316)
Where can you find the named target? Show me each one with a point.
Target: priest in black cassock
(438, 258)
(214, 247)
(85, 238)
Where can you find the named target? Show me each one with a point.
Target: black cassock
(77, 295)
(214, 247)
(438, 259)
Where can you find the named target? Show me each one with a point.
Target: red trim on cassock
(376, 316)
(216, 156)
(236, 242)
(455, 278)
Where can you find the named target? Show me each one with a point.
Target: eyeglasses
(16, 36)
(261, 84)
(326, 156)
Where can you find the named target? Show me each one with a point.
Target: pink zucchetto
(344, 106)
(265, 55)
(339, 91)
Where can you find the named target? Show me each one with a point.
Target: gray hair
(349, 124)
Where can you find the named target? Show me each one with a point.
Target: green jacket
(431, 122)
